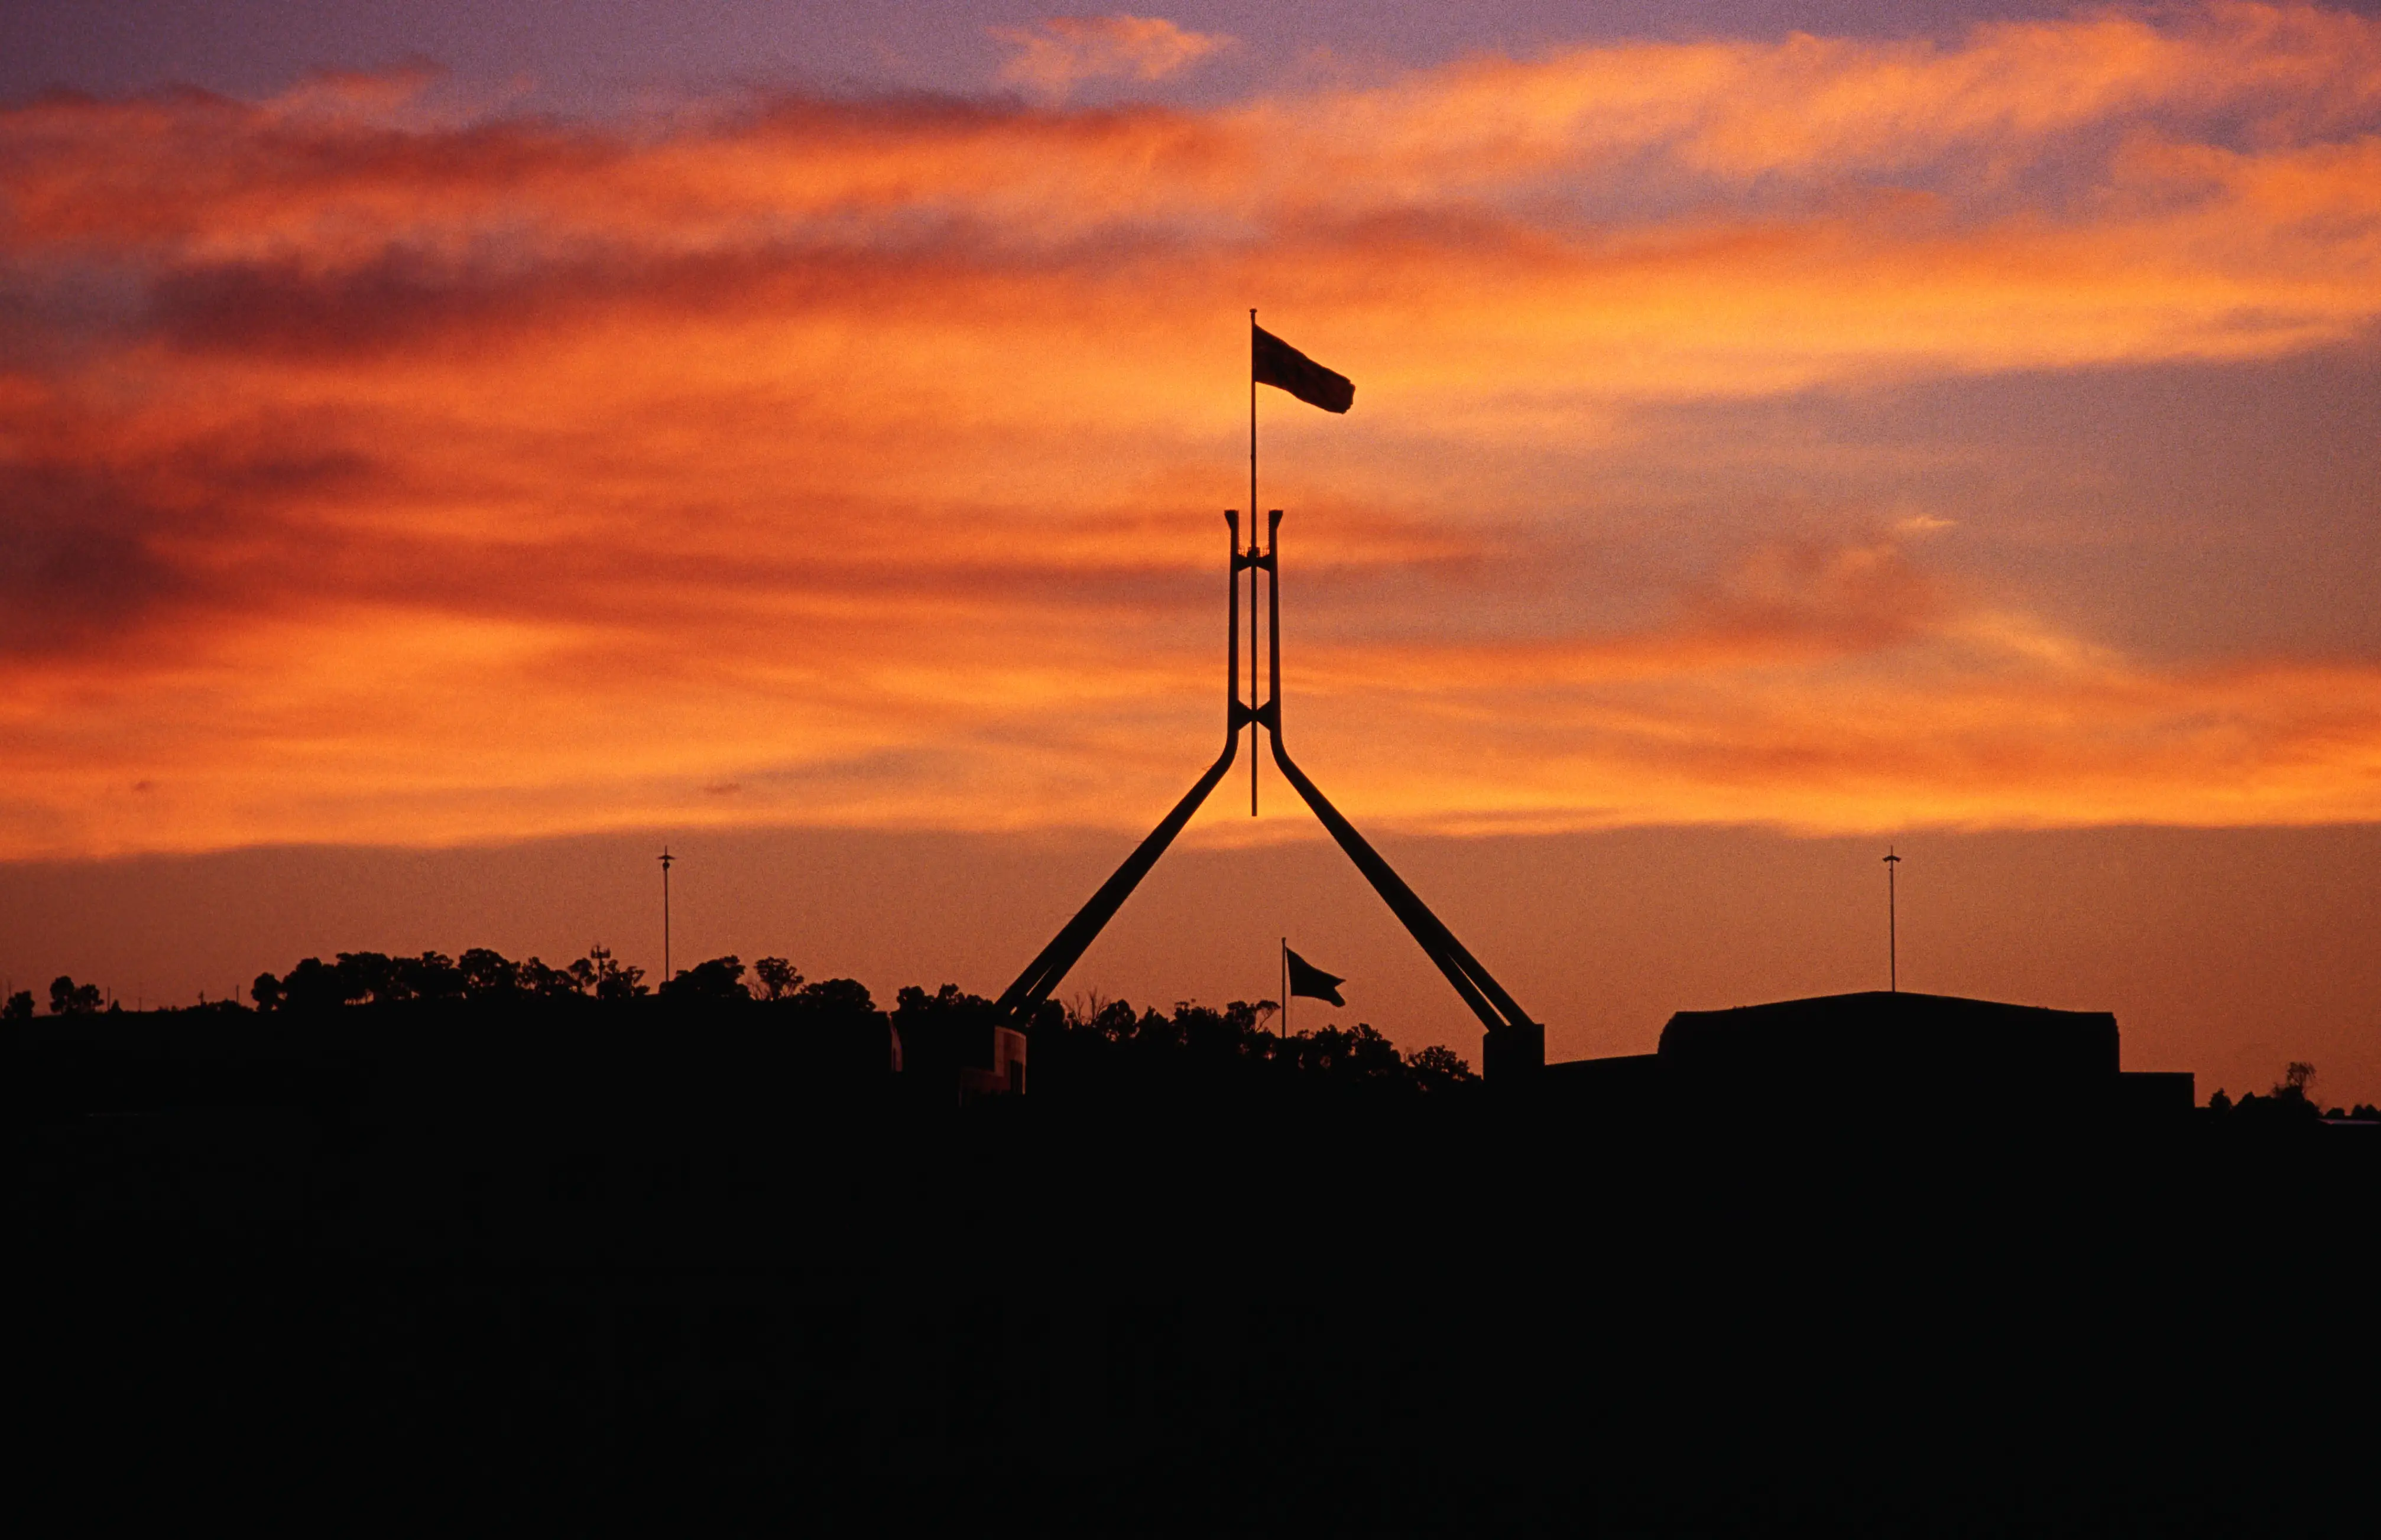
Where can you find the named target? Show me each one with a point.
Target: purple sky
(590, 54)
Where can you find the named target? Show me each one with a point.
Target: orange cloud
(1063, 52)
(367, 477)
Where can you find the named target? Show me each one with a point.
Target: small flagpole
(1285, 988)
(1892, 937)
(1255, 758)
(667, 861)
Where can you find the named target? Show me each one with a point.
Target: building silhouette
(1880, 1051)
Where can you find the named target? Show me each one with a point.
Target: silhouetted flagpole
(1255, 758)
(1892, 940)
(1515, 1043)
(1285, 988)
(667, 859)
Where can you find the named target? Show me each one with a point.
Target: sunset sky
(443, 456)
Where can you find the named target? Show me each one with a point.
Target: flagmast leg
(1023, 997)
(1515, 1045)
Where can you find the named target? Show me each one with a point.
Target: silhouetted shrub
(2274, 1111)
(1102, 1045)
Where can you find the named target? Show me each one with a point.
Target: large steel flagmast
(1516, 1044)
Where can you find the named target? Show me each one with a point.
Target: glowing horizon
(378, 473)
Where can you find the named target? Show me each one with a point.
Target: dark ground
(417, 1271)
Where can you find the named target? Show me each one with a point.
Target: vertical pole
(1255, 758)
(1285, 988)
(1232, 631)
(1272, 596)
(1253, 755)
(1892, 936)
(667, 859)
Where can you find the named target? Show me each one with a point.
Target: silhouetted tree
(949, 1013)
(314, 985)
(835, 996)
(431, 976)
(366, 976)
(776, 977)
(716, 981)
(941, 1032)
(2287, 1104)
(19, 1007)
(535, 977)
(1110, 1019)
(1353, 1053)
(266, 991)
(487, 974)
(613, 979)
(69, 999)
(1438, 1068)
(1096, 1045)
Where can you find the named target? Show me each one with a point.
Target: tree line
(2291, 1102)
(1091, 1040)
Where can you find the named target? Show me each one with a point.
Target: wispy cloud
(366, 476)
(1055, 56)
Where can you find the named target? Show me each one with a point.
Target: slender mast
(1255, 758)
(1892, 939)
(665, 944)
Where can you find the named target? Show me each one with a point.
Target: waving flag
(1273, 362)
(1307, 979)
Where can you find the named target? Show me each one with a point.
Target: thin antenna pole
(667, 860)
(1892, 937)
(1285, 988)
(1255, 758)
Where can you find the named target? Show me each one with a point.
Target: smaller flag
(1307, 979)
(1273, 362)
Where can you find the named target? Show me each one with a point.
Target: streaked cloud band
(370, 476)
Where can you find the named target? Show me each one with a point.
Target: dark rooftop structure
(1938, 1052)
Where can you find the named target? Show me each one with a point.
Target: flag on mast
(1273, 362)
(1307, 979)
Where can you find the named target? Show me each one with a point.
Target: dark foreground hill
(433, 1266)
